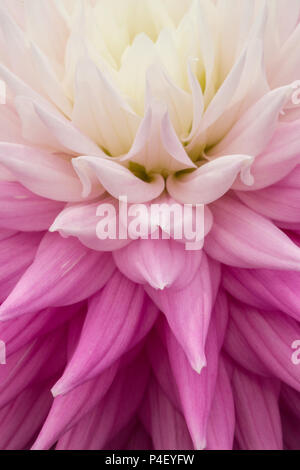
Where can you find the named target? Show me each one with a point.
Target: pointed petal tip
(199, 364)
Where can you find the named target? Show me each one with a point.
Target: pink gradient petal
(196, 390)
(242, 238)
(24, 247)
(265, 289)
(159, 263)
(277, 160)
(41, 172)
(106, 337)
(211, 181)
(63, 272)
(22, 210)
(188, 312)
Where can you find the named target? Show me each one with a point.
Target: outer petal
(188, 313)
(23, 246)
(221, 423)
(107, 419)
(277, 160)
(270, 336)
(242, 238)
(195, 390)
(164, 423)
(265, 289)
(257, 412)
(22, 210)
(64, 272)
(105, 338)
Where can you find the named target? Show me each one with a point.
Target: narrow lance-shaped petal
(60, 266)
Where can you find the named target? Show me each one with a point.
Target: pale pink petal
(43, 173)
(277, 160)
(159, 263)
(118, 180)
(210, 181)
(242, 238)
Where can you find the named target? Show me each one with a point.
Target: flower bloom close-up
(125, 329)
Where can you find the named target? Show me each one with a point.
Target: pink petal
(67, 410)
(164, 423)
(265, 289)
(105, 338)
(21, 419)
(257, 412)
(188, 313)
(23, 246)
(277, 160)
(69, 223)
(278, 202)
(221, 423)
(242, 238)
(22, 210)
(269, 337)
(118, 180)
(60, 267)
(159, 263)
(196, 391)
(21, 331)
(113, 413)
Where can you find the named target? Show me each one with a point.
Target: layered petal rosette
(121, 334)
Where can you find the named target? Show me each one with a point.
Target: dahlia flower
(139, 341)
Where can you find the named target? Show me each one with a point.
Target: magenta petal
(113, 413)
(240, 237)
(269, 337)
(188, 313)
(23, 246)
(37, 361)
(159, 263)
(164, 422)
(265, 289)
(257, 412)
(109, 331)
(221, 423)
(196, 391)
(68, 409)
(20, 331)
(63, 272)
(21, 419)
